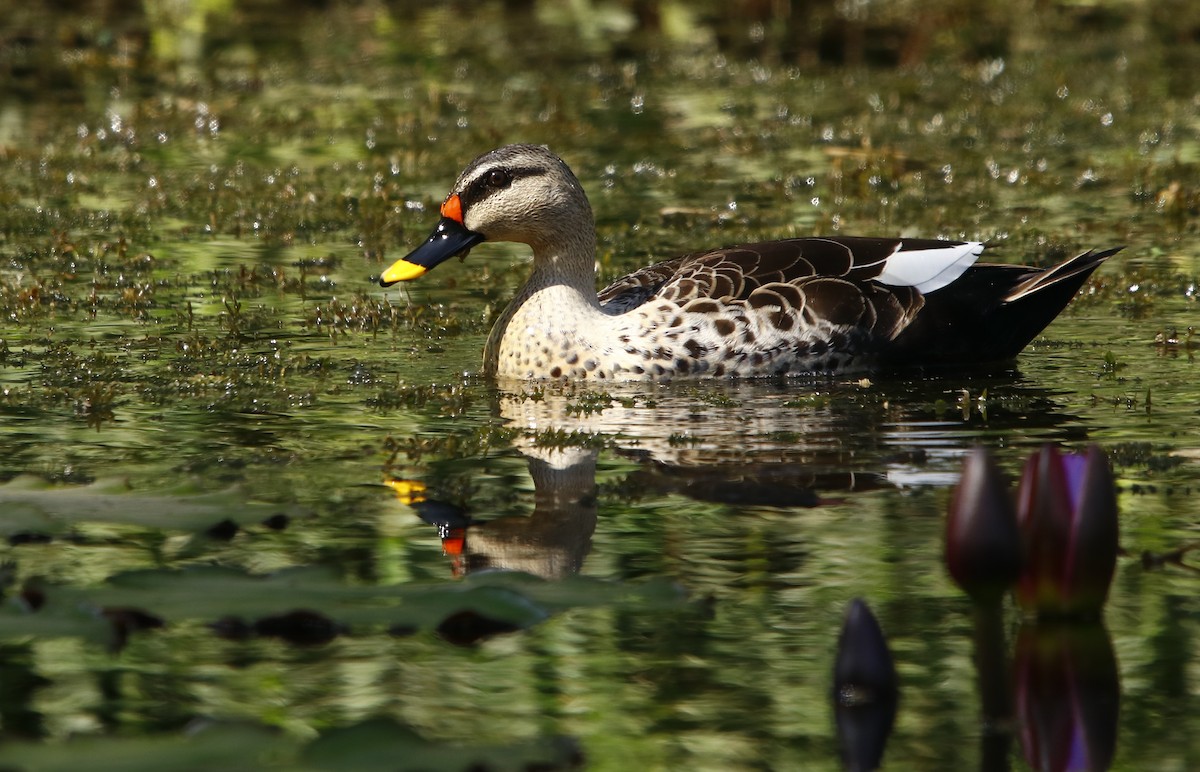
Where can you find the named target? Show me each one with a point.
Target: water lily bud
(983, 546)
(1067, 515)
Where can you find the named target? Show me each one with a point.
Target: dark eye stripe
(482, 186)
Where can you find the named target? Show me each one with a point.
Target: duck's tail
(991, 312)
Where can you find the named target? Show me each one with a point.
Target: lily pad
(217, 746)
(379, 743)
(386, 745)
(30, 506)
(313, 605)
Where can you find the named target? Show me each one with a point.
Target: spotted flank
(795, 306)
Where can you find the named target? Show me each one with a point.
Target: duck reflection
(552, 542)
(752, 443)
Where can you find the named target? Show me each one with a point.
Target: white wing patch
(927, 270)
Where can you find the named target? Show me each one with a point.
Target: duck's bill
(448, 239)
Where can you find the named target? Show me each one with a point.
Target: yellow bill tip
(402, 270)
(407, 491)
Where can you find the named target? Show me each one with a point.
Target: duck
(796, 306)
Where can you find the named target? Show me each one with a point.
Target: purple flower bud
(983, 546)
(1067, 515)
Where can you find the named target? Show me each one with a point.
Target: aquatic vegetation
(310, 606)
(33, 507)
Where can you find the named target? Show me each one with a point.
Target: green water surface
(203, 391)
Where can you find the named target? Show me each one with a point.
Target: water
(193, 347)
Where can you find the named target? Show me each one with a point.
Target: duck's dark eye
(499, 178)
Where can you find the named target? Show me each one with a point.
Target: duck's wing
(875, 285)
(733, 273)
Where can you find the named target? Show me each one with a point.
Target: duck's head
(521, 193)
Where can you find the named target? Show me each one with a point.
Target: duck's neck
(556, 308)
